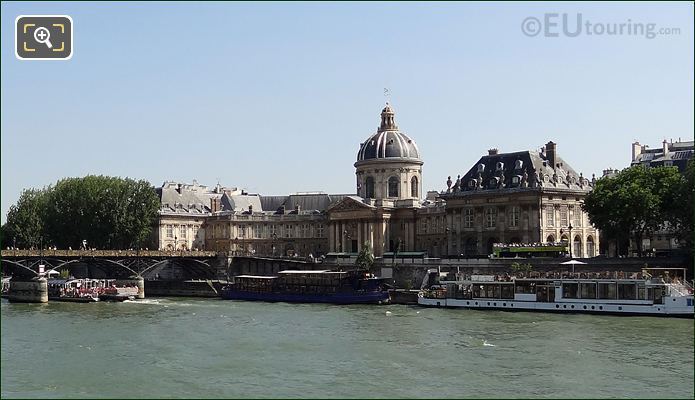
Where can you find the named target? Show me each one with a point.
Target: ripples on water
(216, 348)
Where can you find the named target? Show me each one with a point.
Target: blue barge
(335, 287)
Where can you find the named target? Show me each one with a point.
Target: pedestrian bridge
(148, 264)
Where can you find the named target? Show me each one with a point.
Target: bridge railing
(105, 253)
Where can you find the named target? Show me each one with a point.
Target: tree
(365, 259)
(25, 219)
(635, 202)
(680, 212)
(108, 212)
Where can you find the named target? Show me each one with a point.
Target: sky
(277, 97)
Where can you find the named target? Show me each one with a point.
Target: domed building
(389, 185)
(388, 163)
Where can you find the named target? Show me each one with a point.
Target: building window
(393, 187)
(577, 246)
(273, 230)
(289, 231)
(514, 216)
(491, 217)
(577, 214)
(423, 225)
(305, 230)
(319, 230)
(184, 231)
(369, 187)
(468, 218)
(242, 230)
(563, 216)
(413, 187)
(195, 231)
(590, 247)
(550, 216)
(170, 231)
(257, 231)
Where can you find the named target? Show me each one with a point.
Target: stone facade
(513, 197)
(521, 197)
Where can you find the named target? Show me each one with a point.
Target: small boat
(116, 293)
(335, 287)
(73, 290)
(644, 293)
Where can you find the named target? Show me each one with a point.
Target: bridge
(123, 264)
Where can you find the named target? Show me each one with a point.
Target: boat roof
(326, 272)
(256, 276)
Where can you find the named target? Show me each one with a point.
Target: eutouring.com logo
(573, 25)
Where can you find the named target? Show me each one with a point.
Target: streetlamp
(569, 240)
(569, 228)
(176, 242)
(274, 236)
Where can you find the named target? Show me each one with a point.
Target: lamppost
(176, 242)
(347, 237)
(274, 236)
(569, 240)
(569, 228)
(14, 246)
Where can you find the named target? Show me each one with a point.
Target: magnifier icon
(42, 35)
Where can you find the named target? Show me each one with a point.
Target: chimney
(665, 143)
(297, 208)
(636, 150)
(492, 152)
(214, 204)
(550, 153)
(178, 187)
(250, 208)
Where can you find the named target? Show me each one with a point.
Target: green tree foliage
(108, 212)
(25, 223)
(681, 214)
(635, 202)
(365, 259)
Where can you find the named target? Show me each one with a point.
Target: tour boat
(336, 287)
(600, 293)
(73, 290)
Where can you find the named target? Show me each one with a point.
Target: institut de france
(518, 197)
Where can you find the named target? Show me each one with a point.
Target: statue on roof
(457, 185)
(524, 179)
(448, 185)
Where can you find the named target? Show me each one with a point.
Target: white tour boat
(651, 292)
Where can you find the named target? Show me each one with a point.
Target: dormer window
(518, 164)
(472, 183)
(500, 166)
(515, 180)
(481, 167)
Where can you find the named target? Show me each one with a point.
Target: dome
(388, 141)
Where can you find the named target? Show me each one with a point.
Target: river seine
(182, 347)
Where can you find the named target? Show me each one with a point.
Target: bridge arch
(21, 266)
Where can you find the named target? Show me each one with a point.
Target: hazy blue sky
(276, 97)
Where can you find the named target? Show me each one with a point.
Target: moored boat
(335, 287)
(644, 293)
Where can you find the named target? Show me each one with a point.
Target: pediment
(350, 204)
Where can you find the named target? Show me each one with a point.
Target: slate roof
(678, 154)
(517, 170)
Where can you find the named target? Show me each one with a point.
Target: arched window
(577, 247)
(369, 187)
(393, 187)
(550, 239)
(413, 187)
(590, 247)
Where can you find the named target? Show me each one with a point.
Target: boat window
(641, 292)
(588, 290)
(525, 287)
(606, 290)
(569, 290)
(507, 292)
(627, 291)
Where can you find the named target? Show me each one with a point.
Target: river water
(183, 347)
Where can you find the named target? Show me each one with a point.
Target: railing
(106, 253)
